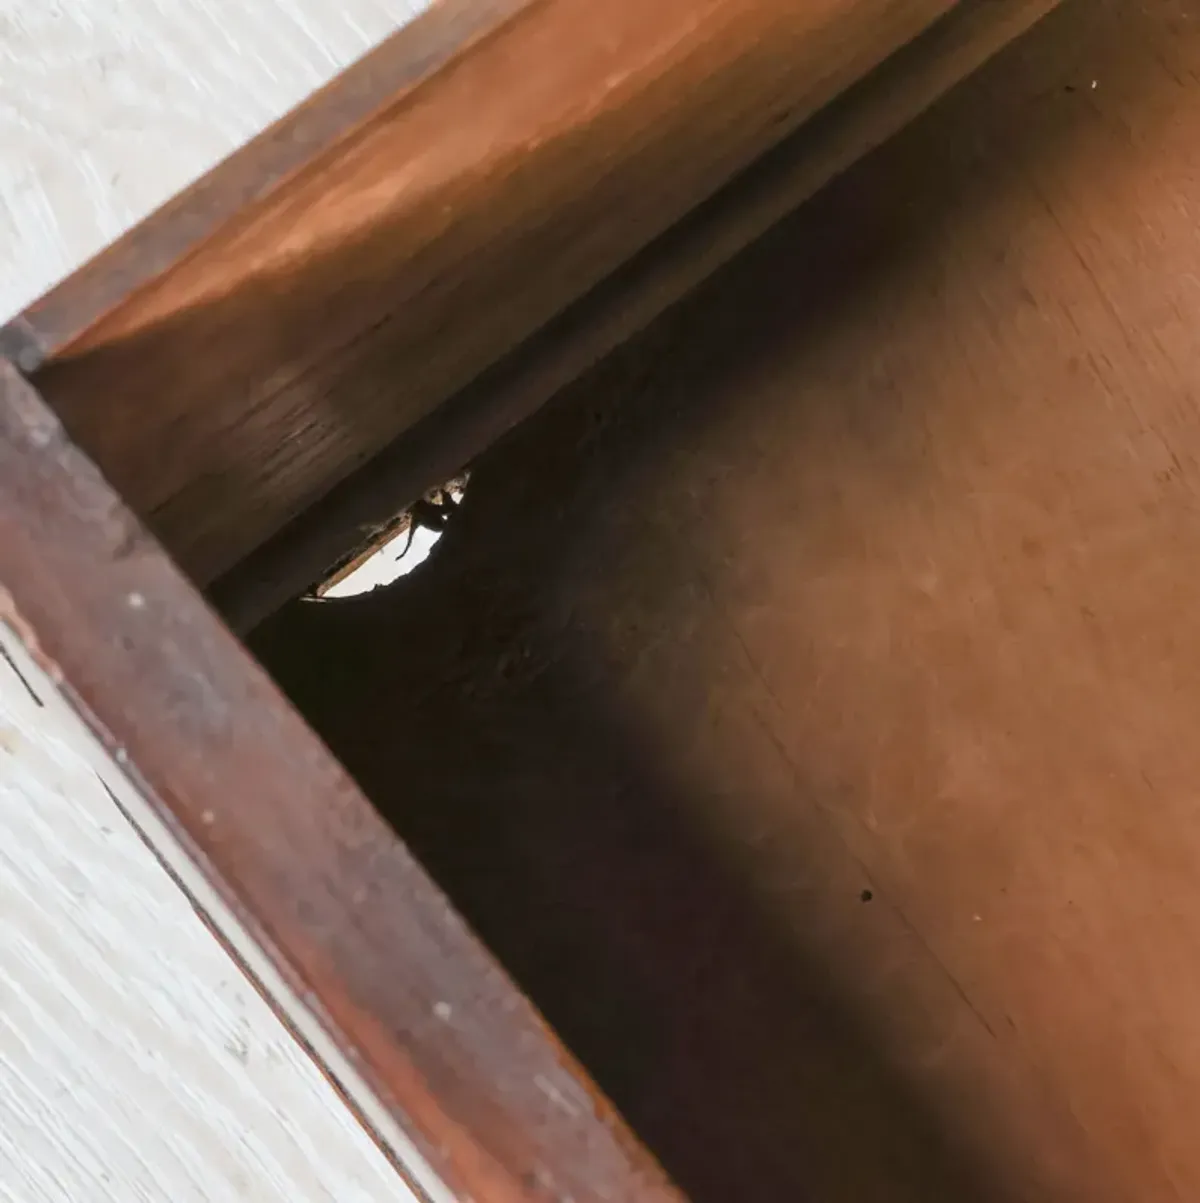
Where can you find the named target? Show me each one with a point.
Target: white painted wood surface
(136, 1062)
(108, 107)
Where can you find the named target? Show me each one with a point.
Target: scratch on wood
(8, 659)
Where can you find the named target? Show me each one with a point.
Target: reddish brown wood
(625, 303)
(376, 251)
(818, 679)
(312, 133)
(464, 1063)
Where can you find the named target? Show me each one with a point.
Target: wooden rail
(624, 303)
(490, 1098)
(247, 348)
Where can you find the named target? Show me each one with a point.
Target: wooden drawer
(795, 708)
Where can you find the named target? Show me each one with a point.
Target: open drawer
(797, 708)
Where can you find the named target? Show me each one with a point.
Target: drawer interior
(206, 407)
(799, 706)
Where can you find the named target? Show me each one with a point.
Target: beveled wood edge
(894, 94)
(297, 142)
(354, 927)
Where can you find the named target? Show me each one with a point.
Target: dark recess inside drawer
(744, 708)
(562, 716)
(555, 713)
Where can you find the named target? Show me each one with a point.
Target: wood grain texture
(466, 1067)
(658, 277)
(109, 107)
(119, 1001)
(819, 677)
(136, 1061)
(379, 256)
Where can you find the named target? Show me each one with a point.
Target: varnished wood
(308, 301)
(249, 178)
(658, 277)
(803, 704)
(463, 1062)
(234, 357)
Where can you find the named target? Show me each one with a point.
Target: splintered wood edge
(895, 93)
(17, 647)
(491, 1105)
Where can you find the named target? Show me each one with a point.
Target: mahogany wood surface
(628, 300)
(241, 352)
(804, 704)
(467, 1067)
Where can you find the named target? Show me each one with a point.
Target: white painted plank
(136, 1062)
(109, 107)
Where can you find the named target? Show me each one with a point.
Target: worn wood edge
(302, 140)
(419, 220)
(894, 94)
(220, 920)
(154, 676)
